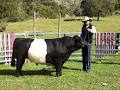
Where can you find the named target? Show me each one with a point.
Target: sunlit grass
(106, 24)
(42, 77)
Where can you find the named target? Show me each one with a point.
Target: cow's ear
(76, 37)
(65, 35)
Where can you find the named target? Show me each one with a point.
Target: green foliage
(88, 8)
(95, 7)
(19, 10)
(47, 9)
(117, 5)
(12, 10)
(117, 12)
(43, 8)
(70, 7)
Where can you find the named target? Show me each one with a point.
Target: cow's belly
(38, 51)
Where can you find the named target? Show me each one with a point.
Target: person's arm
(92, 30)
(80, 33)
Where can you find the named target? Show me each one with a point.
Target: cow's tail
(13, 56)
(13, 60)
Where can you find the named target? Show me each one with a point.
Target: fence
(105, 46)
(6, 42)
(6, 45)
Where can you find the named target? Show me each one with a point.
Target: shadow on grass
(118, 63)
(74, 19)
(100, 62)
(32, 72)
(38, 72)
(27, 72)
(71, 68)
(79, 61)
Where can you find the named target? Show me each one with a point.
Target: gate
(107, 45)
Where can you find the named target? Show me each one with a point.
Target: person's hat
(86, 18)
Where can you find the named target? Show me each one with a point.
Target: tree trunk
(98, 16)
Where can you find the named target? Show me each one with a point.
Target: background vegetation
(19, 10)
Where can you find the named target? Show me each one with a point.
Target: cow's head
(79, 43)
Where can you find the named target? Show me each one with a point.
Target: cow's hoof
(37, 64)
(19, 74)
(58, 75)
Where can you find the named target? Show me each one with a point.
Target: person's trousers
(86, 54)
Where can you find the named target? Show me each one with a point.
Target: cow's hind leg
(19, 65)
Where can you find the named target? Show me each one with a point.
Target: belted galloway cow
(53, 51)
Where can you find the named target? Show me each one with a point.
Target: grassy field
(104, 76)
(107, 24)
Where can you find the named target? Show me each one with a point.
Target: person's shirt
(87, 34)
(92, 30)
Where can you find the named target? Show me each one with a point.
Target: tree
(117, 5)
(43, 8)
(88, 8)
(98, 7)
(12, 10)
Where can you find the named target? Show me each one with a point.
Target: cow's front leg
(58, 67)
(58, 71)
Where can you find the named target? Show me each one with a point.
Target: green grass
(42, 77)
(107, 24)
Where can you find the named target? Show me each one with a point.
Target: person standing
(87, 32)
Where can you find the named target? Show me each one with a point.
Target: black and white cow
(53, 51)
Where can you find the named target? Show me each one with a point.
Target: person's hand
(89, 30)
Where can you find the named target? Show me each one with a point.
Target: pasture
(104, 76)
(106, 24)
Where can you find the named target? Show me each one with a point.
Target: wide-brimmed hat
(86, 18)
